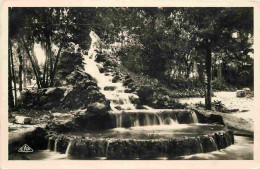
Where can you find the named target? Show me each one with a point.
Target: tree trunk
(201, 72)
(187, 75)
(13, 73)
(10, 88)
(45, 74)
(219, 72)
(52, 75)
(208, 79)
(32, 62)
(24, 72)
(20, 69)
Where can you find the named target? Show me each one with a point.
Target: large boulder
(98, 108)
(246, 90)
(101, 58)
(145, 94)
(240, 93)
(22, 120)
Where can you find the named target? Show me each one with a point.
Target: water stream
(117, 96)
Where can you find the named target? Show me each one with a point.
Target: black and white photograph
(130, 83)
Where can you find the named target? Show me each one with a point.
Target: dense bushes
(69, 62)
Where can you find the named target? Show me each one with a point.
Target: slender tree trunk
(208, 79)
(55, 65)
(187, 75)
(49, 54)
(13, 73)
(201, 72)
(45, 68)
(20, 69)
(32, 62)
(10, 88)
(47, 73)
(24, 72)
(220, 72)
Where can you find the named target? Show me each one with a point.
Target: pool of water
(152, 132)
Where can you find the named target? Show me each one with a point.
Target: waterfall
(55, 145)
(136, 122)
(107, 148)
(194, 117)
(68, 148)
(119, 120)
(120, 101)
(115, 95)
(159, 118)
(172, 122)
(213, 143)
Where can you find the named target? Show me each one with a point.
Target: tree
(214, 34)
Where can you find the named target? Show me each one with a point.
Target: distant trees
(174, 39)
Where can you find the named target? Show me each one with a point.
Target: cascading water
(107, 148)
(68, 148)
(195, 118)
(213, 143)
(116, 96)
(115, 92)
(55, 145)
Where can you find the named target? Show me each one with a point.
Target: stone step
(109, 88)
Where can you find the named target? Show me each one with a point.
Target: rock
(55, 94)
(62, 125)
(127, 77)
(145, 94)
(240, 93)
(115, 79)
(109, 70)
(130, 85)
(108, 63)
(127, 81)
(118, 107)
(100, 58)
(134, 99)
(109, 88)
(100, 68)
(85, 52)
(246, 90)
(216, 119)
(127, 90)
(90, 88)
(98, 108)
(23, 120)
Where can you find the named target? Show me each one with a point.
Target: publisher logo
(25, 149)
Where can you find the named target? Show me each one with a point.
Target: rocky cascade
(133, 118)
(86, 148)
